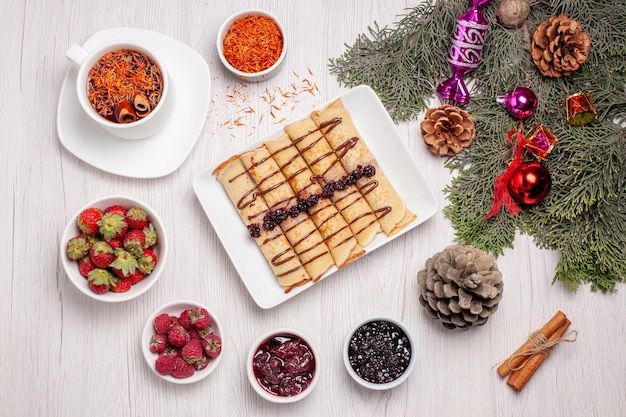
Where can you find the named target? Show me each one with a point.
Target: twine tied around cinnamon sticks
(525, 361)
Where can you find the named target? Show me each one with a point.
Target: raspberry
(192, 352)
(164, 363)
(212, 345)
(182, 369)
(163, 323)
(158, 343)
(178, 336)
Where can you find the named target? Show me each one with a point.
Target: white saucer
(157, 155)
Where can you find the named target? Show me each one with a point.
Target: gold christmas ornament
(579, 109)
(560, 46)
(447, 130)
(513, 13)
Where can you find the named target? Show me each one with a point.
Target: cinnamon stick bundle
(517, 357)
(521, 376)
(525, 361)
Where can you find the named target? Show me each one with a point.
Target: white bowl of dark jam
(283, 365)
(379, 353)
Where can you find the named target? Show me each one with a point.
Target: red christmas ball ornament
(529, 183)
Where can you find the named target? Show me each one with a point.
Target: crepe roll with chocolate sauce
(325, 165)
(334, 229)
(251, 207)
(300, 230)
(337, 126)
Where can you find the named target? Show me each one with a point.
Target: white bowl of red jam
(283, 366)
(251, 44)
(379, 353)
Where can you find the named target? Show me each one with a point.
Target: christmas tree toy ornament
(521, 103)
(513, 13)
(579, 109)
(540, 141)
(468, 40)
(501, 195)
(530, 183)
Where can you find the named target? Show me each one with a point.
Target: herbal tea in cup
(123, 87)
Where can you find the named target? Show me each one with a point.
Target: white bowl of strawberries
(114, 249)
(182, 342)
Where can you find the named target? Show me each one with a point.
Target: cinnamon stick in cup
(520, 377)
(518, 357)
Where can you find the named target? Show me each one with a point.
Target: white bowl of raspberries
(114, 249)
(182, 342)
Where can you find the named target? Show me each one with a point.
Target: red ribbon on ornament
(501, 194)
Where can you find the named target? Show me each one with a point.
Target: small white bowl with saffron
(97, 253)
(251, 44)
(379, 353)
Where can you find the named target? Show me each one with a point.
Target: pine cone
(447, 130)
(461, 286)
(560, 46)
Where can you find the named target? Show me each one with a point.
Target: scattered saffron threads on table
(247, 106)
(253, 43)
(118, 76)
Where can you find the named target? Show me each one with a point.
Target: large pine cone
(461, 286)
(560, 46)
(447, 130)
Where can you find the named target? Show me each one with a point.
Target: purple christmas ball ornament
(521, 103)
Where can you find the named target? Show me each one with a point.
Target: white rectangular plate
(381, 136)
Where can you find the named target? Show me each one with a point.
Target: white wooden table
(63, 354)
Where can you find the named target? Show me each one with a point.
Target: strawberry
(124, 263)
(164, 363)
(136, 276)
(101, 254)
(137, 218)
(163, 323)
(116, 209)
(116, 243)
(158, 343)
(182, 369)
(212, 345)
(178, 336)
(147, 262)
(99, 280)
(112, 226)
(87, 220)
(152, 237)
(192, 351)
(134, 242)
(121, 285)
(77, 248)
(85, 266)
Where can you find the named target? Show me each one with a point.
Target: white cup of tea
(124, 87)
